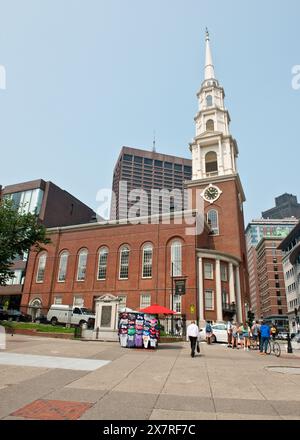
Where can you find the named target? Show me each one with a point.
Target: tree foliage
(19, 232)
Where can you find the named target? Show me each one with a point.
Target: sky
(85, 77)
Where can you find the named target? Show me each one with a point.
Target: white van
(62, 314)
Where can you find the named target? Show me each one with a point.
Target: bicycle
(273, 347)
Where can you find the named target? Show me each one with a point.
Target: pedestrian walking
(192, 334)
(265, 338)
(208, 331)
(229, 333)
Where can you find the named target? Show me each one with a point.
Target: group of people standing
(242, 334)
(238, 335)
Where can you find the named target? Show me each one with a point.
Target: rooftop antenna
(154, 143)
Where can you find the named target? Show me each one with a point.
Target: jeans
(193, 341)
(264, 344)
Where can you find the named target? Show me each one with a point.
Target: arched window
(124, 262)
(176, 258)
(210, 125)
(102, 263)
(209, 101)
(147, 260)
(82, 262)
(41, 268)
(211, 162)
(213, 221)
(63, 263)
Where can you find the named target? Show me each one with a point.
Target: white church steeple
(209, 65)
(214, 151)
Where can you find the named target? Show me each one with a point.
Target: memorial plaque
(106, 316)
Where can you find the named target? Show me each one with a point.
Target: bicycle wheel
(268, 351)
(276, 349)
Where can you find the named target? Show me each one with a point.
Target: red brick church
(142, 263)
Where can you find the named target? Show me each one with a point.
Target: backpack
(208, 328)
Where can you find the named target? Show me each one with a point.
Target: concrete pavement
(165, 384)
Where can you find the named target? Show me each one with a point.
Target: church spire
(209, 71)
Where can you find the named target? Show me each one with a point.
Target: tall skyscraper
(144, 170)
(286, 206)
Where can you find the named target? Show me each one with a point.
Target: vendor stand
(141, 329)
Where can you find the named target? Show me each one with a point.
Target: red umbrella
(155, 309)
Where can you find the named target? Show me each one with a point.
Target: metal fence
(173, 326)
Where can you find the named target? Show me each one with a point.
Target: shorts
(255, 337)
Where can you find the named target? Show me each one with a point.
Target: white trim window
(145, 300)
(177, 303)
(224, 273)
(209, 299)
(102, 263)
(176, 258)
(78, 301)
(124, 263)
(147, 260)
(63, 264)
(208, 271)
(41, 268)
(57, 300)
(82, 263)
(213, 221)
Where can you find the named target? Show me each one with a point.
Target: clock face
(211, 193)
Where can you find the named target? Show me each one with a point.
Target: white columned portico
(200, 290)
(219, 291)
(238, 295)
(231, 284)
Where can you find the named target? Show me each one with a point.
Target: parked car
(219, 333)
(296, 342)
(64, 314)
(14, 315)
(282, 335)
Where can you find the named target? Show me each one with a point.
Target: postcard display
(138, 330)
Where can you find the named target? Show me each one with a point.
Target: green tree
(19, 232)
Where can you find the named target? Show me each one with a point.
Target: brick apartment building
(255, 232)
(271, 278)
(290, 248)
(134, 261)
(54, 207)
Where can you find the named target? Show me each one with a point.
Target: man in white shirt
(192, 334)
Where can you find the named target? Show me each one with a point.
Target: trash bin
(78, 332)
